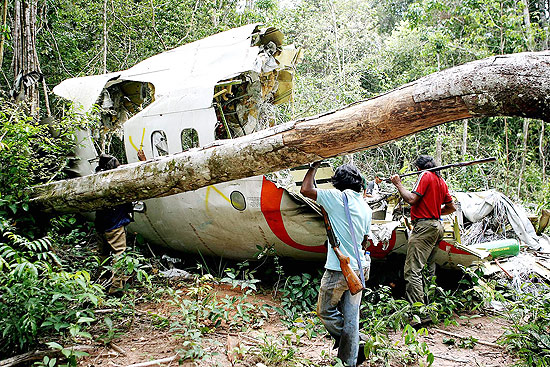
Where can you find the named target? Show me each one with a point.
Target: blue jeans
(339, 312)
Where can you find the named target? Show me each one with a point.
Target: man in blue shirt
(337, 308)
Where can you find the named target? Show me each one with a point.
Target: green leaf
(54, 345)
(85, 334)
(108, 322)
(79, 353)
(430, 359)
(85, 319)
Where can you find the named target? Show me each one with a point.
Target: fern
(37, 297)
(22, 253)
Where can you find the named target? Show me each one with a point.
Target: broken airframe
(218, 88)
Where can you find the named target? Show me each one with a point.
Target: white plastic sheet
(477, 205)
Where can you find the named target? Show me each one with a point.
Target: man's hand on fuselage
(308, 188)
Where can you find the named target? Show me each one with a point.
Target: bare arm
(365, 244)
(448, 208)
(308, 188)
(409, 197)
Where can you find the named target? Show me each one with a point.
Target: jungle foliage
(39, 294)
(354, 49)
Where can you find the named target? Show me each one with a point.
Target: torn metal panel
(523, 273)
(83, 91)
(231, 76)
(291, 181)
(381, 233)
(284, 91)
(290, 56)
(197, 65)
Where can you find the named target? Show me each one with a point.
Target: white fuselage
(186, 89)
(231, 219)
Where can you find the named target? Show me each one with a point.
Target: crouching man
(337, 308)
(110, 224)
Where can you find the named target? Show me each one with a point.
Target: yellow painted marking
(131, 142)
(140, 144)
(221, 194)
(142, 136)
(206, 198)
(208, 195)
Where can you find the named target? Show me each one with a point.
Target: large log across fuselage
(509, 85)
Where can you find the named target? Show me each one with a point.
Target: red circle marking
(270, 204)
(448, 247)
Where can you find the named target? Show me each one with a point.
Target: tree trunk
(512, 85)
(524, 153)
(438, 138)
(544, 15)
(438, 146)
(349, 159)
(464, 138)
(529, 37)
(24, 37)
(4, 24)
(501, 29)
(104, 36)
(541, 152)
(339, 57)
(507, 156)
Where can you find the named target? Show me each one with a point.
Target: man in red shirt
(429, 200)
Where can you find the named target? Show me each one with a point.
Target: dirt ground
(485, 353)
(144, 342)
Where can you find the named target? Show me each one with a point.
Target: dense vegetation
(354, 49)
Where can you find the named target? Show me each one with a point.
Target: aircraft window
(237, 200)
(159, 143)
(119, 101)
(189, 139)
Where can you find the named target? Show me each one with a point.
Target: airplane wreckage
(217, 178)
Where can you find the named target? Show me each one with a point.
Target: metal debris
(490, 216)
(176, 274)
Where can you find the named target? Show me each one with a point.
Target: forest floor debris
(145, 341)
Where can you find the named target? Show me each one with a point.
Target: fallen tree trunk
(39, 354)
(511, 85)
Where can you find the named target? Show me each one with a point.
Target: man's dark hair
(347, 177)
(425, 162)
(107, 162)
